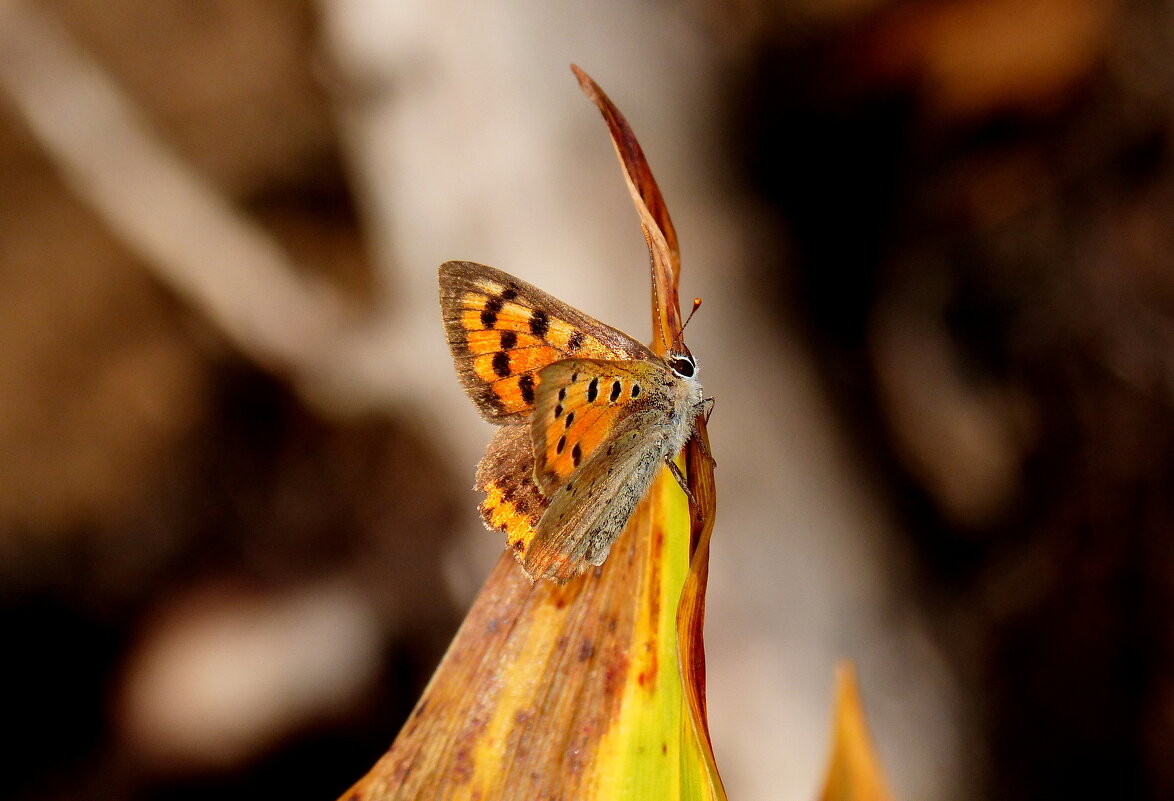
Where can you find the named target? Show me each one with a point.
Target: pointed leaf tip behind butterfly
(502, 331)
(659, 232)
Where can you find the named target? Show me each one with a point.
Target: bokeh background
(934, 239)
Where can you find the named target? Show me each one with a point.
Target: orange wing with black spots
(581, 410)
(502, 331)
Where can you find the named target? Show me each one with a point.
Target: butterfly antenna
(681, 334)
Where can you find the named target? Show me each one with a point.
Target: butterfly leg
(707, 409)
(680, 479)
(701, 443)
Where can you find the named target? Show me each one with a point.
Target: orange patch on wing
(591, 426)
(483, 341)
(504, 515)
(530, 359)
(483, 367)
(509, 391)
(471, 320)
(488, 340)
(558, 333)
(514, 318)
(474, 301)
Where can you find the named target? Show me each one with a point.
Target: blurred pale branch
(184, 230)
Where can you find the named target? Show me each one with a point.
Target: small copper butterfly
(587, 416)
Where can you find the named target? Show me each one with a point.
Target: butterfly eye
(682, 366)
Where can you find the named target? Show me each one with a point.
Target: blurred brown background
(934, 241)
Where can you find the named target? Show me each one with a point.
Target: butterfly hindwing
(513, 503)
(502, 331)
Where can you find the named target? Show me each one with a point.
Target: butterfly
(587, 416)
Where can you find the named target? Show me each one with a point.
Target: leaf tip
(854, 770)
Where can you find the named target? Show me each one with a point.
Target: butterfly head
(684, 367)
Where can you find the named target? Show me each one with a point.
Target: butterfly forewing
(596, 451)
(502, 331)
(581, 406)
(589, 511)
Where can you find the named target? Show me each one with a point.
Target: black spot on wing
(509, 294)
(489, 313)
(593, 390)
(576, 454)
(558, 411)
(616, 386)
(509, 340)
(576, 341)
(562, 443)
(526, 387)
(501, 364)
(570, 419)
(635, 390)
(539, 323)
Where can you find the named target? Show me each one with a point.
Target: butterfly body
(588, 416)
